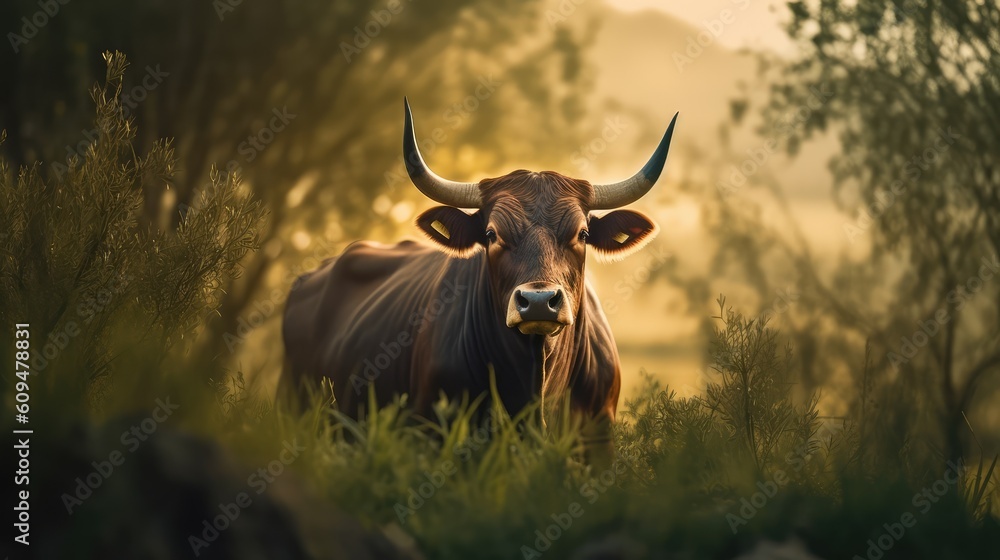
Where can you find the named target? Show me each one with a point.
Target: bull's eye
(491, 236)
(584, 234)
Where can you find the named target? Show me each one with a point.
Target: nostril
(556, 301)
(521, 301)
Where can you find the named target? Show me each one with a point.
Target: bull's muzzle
(539, 308)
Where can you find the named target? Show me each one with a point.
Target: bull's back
(337, 316)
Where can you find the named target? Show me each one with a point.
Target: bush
(103, 289)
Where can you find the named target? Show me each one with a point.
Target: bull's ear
(618, 234)
(458, 233)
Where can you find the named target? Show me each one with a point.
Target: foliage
(78, 262)
(908, 310)
(753, 398)
(684, 470)
(748, 408)
(214, 75)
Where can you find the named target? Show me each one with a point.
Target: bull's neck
(526, 366)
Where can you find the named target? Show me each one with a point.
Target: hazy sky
(755, 23)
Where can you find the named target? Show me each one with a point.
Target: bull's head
(535, 229)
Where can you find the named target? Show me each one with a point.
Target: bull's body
(410, 319)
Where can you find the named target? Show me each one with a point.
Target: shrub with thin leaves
(95, 281)
(753, 397)
(744, 426)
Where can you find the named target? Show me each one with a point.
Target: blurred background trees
(303, 100)
(911, 91)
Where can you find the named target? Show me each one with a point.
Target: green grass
(685, 469)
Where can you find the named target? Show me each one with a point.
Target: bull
(501, 292)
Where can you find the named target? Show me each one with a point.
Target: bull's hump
(368, 260)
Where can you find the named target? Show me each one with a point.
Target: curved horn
(628, 191)
(462, 195)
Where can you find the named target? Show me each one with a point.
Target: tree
(914, 91)
(302, 99)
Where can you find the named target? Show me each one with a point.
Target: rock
(612, 547)
(791, 549)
